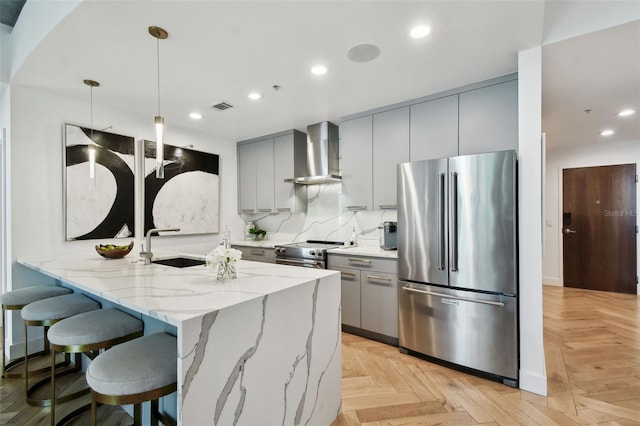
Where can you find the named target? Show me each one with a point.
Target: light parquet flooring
(592, 354)
(592, 351)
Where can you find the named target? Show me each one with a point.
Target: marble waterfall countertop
(260, 349)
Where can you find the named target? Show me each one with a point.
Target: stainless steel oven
(309, 254)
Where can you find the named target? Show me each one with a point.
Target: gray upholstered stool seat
(16, 300)
(142, 369)
(46, 313)
(24, 296)
(58, 308)
(88, 333)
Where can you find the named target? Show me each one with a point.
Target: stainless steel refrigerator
(457, 262)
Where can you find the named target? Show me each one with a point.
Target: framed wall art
(104, 209)
(188, 197)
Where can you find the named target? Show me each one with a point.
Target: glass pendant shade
(159, 147)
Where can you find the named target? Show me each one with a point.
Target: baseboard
(534, 383)
(552, 281)
(16, 350)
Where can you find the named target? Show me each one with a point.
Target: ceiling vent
(221, 106)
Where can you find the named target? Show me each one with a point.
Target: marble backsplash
(325, 220)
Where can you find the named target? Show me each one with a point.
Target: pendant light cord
(91, 137)
(158, 57)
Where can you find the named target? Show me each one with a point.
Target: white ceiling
(599, 71)
(222, 50)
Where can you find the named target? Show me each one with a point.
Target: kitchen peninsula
(264, 348)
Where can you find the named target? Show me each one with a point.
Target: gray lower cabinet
(257, 254)
(369, 295)
(350, 279)
(379, 302)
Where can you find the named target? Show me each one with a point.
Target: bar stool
(45, 313)
(15, 300)
(88, 333)
(140, 370)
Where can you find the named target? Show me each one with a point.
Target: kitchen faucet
(146, 250)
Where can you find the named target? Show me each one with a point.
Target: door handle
(568, 231)
(449, 296)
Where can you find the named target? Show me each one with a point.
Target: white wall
(532, 363)
(36, 203)
(602, 154)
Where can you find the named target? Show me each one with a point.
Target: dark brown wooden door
(599, 228)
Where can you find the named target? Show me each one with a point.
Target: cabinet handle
(248, 210)
(356, 207)
(353, 259)
(348, 274)
(375, 277)
(258, 252)
(388, 206)
(265, 210)
(283, 209)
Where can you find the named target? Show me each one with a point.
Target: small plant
(259, 233)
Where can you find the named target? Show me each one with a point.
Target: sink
(179, 262)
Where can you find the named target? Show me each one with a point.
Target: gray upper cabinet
(264, 176)
(434, 129)
(247, 155)
(288, 197)
(489, 119)
(356, 163)
(263, 165)
(390, 147)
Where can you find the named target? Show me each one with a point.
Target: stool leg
(26, 360)
(53, 387)
(4, 325)
(154, 412)
(94, 409)
(137, 415)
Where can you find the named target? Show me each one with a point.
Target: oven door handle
(305, 263)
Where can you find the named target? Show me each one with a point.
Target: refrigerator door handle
(448, 296)
(441, 218)
(454, 221)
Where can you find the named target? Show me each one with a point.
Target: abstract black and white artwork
(188, 196)
(106, 209)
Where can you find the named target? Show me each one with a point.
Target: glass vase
(226, 270)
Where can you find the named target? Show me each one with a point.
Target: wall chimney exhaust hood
(317, 161)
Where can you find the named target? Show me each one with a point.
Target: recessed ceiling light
(319, 69)
(626, 112)
(254, 96)
(607, 132)
(195, 115)
(420, 31)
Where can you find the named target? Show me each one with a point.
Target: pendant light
(92, 145)
(159, 34)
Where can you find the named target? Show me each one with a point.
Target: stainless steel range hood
(317, 162)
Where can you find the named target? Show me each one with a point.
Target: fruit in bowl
(112, 251)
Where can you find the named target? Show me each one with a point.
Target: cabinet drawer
(379, 303)
(350, 291)
(258, 254)
(363, 263)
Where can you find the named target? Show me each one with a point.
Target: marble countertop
(170, 294)
(263, 243)
(365, 251)
(353, 251)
